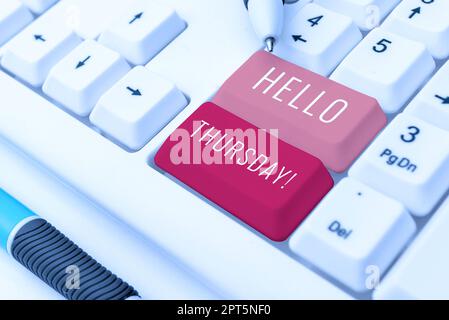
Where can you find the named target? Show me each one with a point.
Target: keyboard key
(13, 18)
(432, 103)
(87, 18)
(318, 39)
(144, 30)
(34, 51)
(421, 273)
(39, 6)
(314, 114)
(424, 21)
(367, 14)
(409, 162)
(355, 230)
(137, 107)
(387, 67)
(80, 79)
(291, 9)
(263, 181)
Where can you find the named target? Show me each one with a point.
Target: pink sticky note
(313, 113)
(265, 182)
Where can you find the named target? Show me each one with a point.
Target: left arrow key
(39, 37)
(34, 51)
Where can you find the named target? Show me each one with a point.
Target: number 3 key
(409, 161)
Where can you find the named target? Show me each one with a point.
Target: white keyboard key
(421, 273)
(432, 103)
(425, 21)
(291, 9)
(409, 162)
(143, 30)
(88, 18)
(367, 14)
(353, 231)
(33, 52)
(13, 18)
(318, 39)
(137, 107)
(80, 79)
(39, 6)
(387, 67)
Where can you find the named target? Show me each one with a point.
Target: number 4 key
(318, 39)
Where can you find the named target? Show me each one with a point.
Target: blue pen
(55, 259)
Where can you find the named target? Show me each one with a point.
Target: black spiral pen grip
(65, 267)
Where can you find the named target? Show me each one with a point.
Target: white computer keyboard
(67, 118)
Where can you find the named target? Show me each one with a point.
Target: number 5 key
(387, 67)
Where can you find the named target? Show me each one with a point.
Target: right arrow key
(432, 103)
(137, 107)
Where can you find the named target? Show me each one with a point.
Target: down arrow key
(82, 63)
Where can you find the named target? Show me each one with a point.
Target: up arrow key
(415, 12)
(136, 17)
(134, 92)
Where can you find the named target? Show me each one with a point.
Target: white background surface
(110, 242)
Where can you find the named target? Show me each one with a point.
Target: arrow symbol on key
(298, 38)
(136, 17)
(415, 12)
(39, 37)
(82, 63)
(444, 100)
(134, 92)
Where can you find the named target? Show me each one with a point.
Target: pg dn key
(409, 162)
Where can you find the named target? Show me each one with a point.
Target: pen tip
(269, 44)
